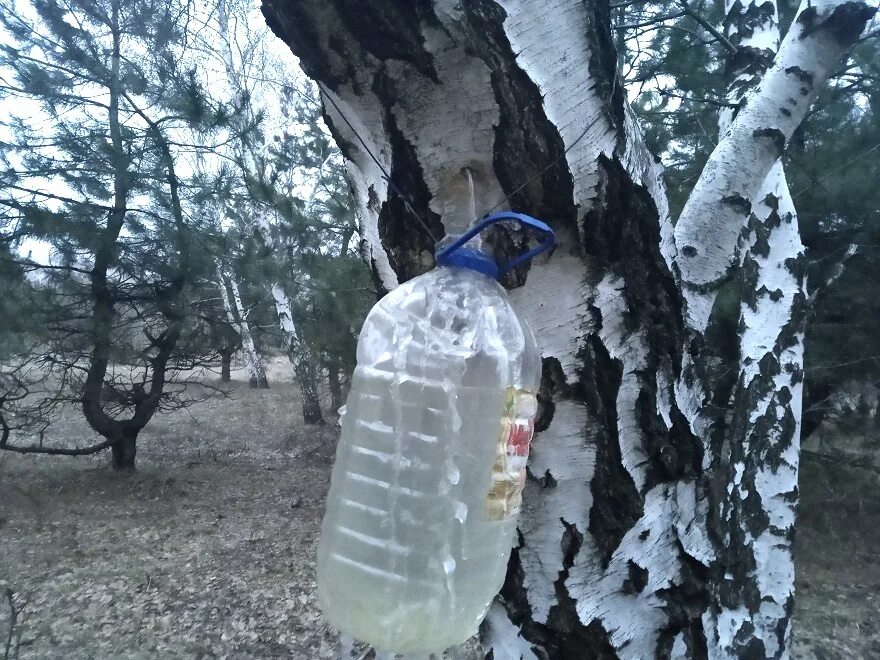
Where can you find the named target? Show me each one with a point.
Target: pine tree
(97, 173)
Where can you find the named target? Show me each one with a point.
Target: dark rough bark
(225, 364)
(307, 378)
(124, 451)
(335, 386)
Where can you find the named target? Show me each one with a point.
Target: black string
(387, 177)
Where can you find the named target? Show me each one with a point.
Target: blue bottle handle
(526, 221)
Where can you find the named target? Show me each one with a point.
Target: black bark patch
(738, 203)
(674, 453)
(776, 136)
(684, 604)
(617, 504)
(845, 23)
(400, 220)
(775, 295)
(298, 25)
(564, 636)
(742, 21)
(391, 30)
(749, 276)
(553, 386)
(771, 201)
(528, 148)
(636, 580)
(761, 245)
(804, 76)
(623, 235)
(789, 335)
(603, 66)
(718, 353)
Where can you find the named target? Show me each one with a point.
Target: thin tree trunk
(303, 365)
(225, 364)
(623, 552)
(235, 314)
(335, 386)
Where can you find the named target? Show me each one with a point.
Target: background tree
(102, 180)
(629, 544)
(672, 65)
(280, 202)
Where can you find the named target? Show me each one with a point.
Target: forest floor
(207, 551)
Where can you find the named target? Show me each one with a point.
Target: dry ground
(207, 551)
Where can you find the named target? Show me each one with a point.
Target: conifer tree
(97, 168)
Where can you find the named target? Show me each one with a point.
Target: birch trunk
(761, 431)
(303, 366)
(237, 318)
(626, 547)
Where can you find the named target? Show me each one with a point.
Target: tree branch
(836, 272)
(708, 230)
(706, 25)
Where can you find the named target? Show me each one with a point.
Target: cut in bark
(622, 550)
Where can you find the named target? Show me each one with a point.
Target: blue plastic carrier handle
(524, 220)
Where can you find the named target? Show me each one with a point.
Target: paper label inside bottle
(511, 454)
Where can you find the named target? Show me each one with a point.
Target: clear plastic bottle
(430, 467)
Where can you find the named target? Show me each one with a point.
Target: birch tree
(238, 318)
(659, 511)
(250, 71)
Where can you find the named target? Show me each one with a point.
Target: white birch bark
(755, 245)
(298, 353)
(762, 466)
(303, 366)
(618, 553)
(238, 319)
(719, 205)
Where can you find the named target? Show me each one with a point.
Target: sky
(274, 62)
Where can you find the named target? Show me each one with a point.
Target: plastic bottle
(430, 467)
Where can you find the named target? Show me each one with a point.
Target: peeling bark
(619, 553)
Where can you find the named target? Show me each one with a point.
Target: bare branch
(836, 272)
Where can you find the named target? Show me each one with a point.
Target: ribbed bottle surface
(427, 480)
